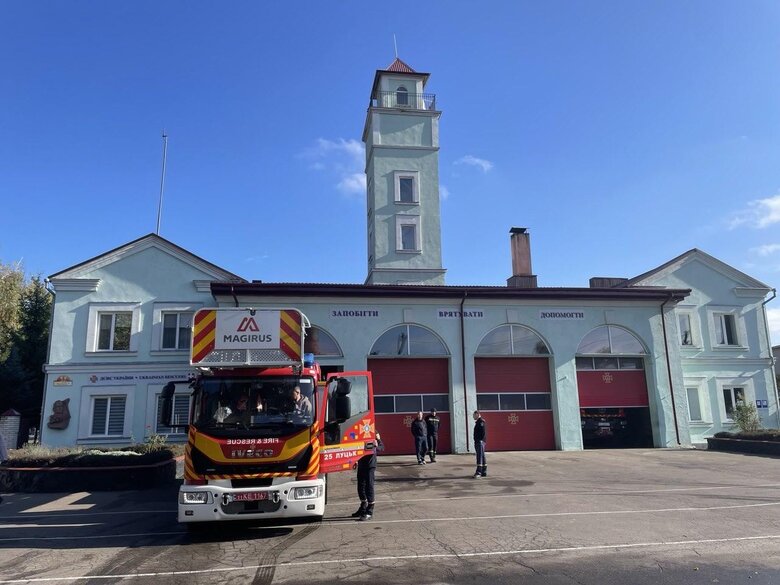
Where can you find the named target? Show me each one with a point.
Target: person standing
(432, 423)
(420, 434)
(366, 470)
(480, 439)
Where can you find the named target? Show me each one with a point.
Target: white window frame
(404, 220)
(415, 176)
(86, 409)
(154, 391)
(693, 319)
(160, 309)
(730, 383)
(714, 314)
(700, 386)
(93, 326)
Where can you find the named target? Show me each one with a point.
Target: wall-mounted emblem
(60, 415)
(63, 380)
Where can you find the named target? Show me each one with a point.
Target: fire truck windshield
(251, 402)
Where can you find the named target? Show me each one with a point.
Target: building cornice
(725, 361)
(750, 292)
(75, 284)
(89, 368)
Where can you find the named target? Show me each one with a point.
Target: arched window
(512, 340)
(406, 340)
(402, 96)
(321, 343)
(612, 340)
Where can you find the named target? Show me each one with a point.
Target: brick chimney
(520, 243)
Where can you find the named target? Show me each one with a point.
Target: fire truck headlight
(307, 493)
(195, 498)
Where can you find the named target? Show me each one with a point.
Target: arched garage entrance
(410, 369)
(612, 386)
(513, 389)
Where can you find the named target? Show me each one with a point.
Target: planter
(744, 446)
(87, 479)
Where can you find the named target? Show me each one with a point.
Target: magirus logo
(248, 324)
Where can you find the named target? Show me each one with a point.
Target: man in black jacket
(480, 439)
(432, 423)
(420, 434)
(366, 469)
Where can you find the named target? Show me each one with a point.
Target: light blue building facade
(120, 331)
(668, 354)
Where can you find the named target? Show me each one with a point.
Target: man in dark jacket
(420, 434)
(480, 439)
(432, 423)
(366, 469)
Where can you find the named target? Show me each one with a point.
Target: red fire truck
(263, 430)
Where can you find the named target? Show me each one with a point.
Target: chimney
(520, 243)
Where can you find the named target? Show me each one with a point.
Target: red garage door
(513, 396)
(402, 387)
(614, 408)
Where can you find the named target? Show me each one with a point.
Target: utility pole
(162, 179)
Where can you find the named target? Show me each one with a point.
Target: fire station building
(658, 360)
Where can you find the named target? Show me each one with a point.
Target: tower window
(407, 187)
(407, 235)
(402, 96)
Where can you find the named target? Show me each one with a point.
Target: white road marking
(48, 525)
(63, 504)
(560, 494)
(417, 520)
(293, 564)
(553, 514)
(85, 514)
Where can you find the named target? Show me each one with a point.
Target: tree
(24, 340)
(11, 285)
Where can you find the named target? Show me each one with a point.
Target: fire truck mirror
(342, 407)
(344, 387)
(167, 405)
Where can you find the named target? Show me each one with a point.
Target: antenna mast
(395, 46)
(162, 179)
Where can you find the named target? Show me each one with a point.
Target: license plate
(250, 496)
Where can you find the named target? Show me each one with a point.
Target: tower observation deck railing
(404, 100)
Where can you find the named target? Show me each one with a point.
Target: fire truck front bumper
(287, 499)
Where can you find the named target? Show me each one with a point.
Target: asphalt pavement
(594, 517)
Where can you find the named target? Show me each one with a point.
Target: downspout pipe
(50, 288)
(771, 356)
(233, 292)
(463, 363)
(669, 370)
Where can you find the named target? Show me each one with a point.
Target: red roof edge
(399, 66)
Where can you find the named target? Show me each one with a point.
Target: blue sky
(621, 133)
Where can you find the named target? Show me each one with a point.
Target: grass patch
(42, 456)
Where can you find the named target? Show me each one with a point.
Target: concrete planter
(744, 446)
(78, 479)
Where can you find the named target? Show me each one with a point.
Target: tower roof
(399, 66)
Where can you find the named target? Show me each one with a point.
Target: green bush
(760, 435)
(746, 417)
